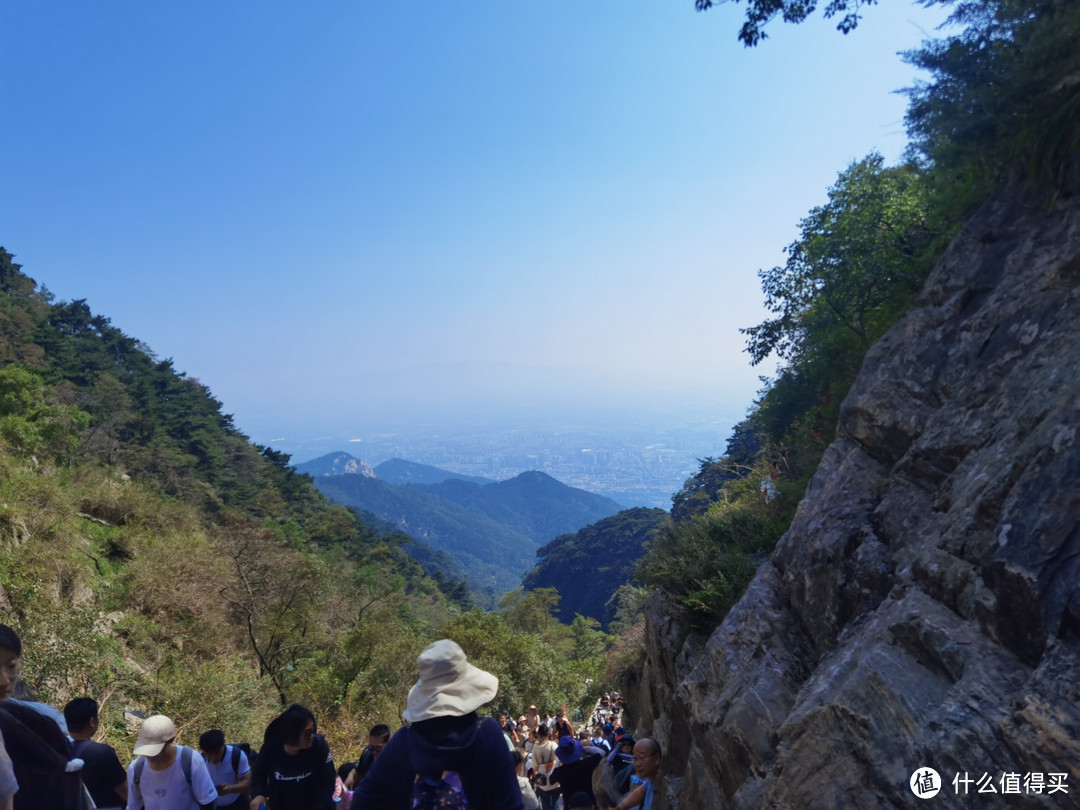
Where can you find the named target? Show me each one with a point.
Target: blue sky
(345, 213)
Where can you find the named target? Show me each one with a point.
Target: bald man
(647, 756)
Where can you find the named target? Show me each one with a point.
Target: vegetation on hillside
(152, 557)
(491, 529)
(532, 503)
(1003, 96)
(490, 555)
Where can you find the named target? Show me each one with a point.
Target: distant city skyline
(640, 460)
(342, 217)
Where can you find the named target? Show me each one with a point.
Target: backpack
(363, 765)
(39, 754)
(542, 770)
(234, 760)
(251, 757)
(439, 792)
(185, 765)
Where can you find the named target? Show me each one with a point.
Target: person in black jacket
(9, 786)
(446, 736)
(295, 770)
(40, 753)
(575, 771)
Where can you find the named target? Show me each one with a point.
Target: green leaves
(1004, 93)
(600, 557)
(31, 426)
(761, 12)
(856, 267)
(706, 561)
(858, 263)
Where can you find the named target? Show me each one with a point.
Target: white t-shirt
(223, 774)
(168, 789)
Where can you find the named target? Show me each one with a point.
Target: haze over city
(352, 218)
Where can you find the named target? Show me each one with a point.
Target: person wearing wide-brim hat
(532, 718)
(575, 771)
(445, 734)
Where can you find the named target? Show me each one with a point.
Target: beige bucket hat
(448, 685)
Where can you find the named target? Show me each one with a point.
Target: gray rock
(924, 607)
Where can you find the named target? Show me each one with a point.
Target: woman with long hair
(295, 770)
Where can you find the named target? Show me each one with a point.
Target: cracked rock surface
(924, 607)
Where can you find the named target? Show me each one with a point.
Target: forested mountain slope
(153, 558)
(491, 530)
(400, 471)
(489, 553)
(589, 566)
(532, 503)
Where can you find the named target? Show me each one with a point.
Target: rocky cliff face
(924, 607)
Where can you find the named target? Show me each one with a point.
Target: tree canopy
(760, 13)
(1003, 92)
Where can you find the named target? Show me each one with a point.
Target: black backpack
(251, 757)
(39, 754)
(234, 759)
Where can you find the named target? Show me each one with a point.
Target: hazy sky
(331, 212)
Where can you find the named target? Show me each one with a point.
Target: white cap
(156, 731)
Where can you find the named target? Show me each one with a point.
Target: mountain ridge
(492, 530)
(339, 463)
(400, 471)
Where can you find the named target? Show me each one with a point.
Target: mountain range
(492, 530)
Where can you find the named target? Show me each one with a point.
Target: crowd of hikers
(446, 756)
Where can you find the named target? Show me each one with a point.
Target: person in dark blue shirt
(445, 736)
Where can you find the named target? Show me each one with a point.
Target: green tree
(531, 611)
(702, 489)
(627, 604)
(858, 262)
(20, 308)
(857, 265)
(278, 595)
(31, 426)
(760, 13)
(1003, 92)
(528, 669)
(597, 559)
(589, 640)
